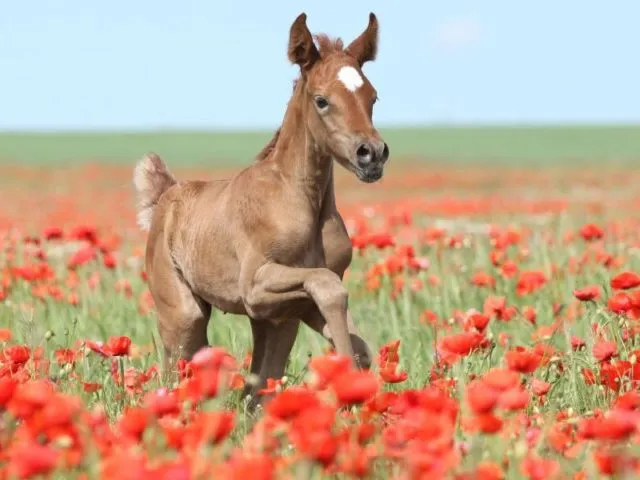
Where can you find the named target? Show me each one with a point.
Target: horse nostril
(364, 154)
(385, 152)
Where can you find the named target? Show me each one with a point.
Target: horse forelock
(328, 45)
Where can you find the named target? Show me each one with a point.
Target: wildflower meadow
(502, 302)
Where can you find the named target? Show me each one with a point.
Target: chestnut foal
(269, 243)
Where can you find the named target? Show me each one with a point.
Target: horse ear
(302, 51)
(365, 47)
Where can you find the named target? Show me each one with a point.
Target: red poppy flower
(256, 466)
(483, 279)
(161, 402)
(604, 350)
(272, 386)
(30, 397)
(388, 359)
(618, 425)
(27, 460)
(212, 427)
(585, 294)
(327, 367)
(390, 374)
(15, 355)
(481, 397)
(109, 260)
(620, 302)
(522, 360)
(515, 398)
(488, 423)
(311, 433)
(5, 335)
(625, 281)
(501, 379)
(462, 343)
(66, 355)
(118, 346)
(134, 422)
(488, 471)
(355, 387)
(8, 386)
(612, 374)
(88, 233)
(629, 401)
(90, 387)
(536, 468)
(389, 352)
(540, 387)
(81, 257)
(591, 232)
(355, 461)
(478, 321)
(212, 358)
(97, 347)
(52, 233)
(289, 403)
(530, 282)
(530, 314)
(577, 343)
(608, 462)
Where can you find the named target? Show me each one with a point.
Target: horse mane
(326, 46)
(269, 147)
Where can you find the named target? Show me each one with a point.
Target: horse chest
(309, 243)
(338, 250)
(331, 251)
(306, 249)
(299, 248)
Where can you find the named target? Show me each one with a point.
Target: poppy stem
(121, 366)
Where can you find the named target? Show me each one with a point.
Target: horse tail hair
(151, 179)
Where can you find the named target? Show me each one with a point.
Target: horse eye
(321, 102)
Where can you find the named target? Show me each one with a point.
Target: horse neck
(300, 159)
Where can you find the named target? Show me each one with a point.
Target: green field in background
(510, 144)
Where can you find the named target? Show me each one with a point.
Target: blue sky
(75, 64)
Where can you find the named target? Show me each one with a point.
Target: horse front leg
(361, 350)
(278, 342)
(272, 288)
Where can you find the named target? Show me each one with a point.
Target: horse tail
(151, 179)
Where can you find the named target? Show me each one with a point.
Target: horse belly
(214, 277)
(219, 287)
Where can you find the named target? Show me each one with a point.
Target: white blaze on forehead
(350, 77)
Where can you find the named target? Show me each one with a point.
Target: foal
(269, 243)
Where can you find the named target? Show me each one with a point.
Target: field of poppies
(503, 303)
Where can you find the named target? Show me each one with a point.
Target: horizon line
(264, 129)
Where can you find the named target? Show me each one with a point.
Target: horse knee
(327, 289)
(254, 304)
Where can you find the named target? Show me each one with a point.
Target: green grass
(495, 144)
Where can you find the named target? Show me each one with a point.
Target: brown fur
(269, 242)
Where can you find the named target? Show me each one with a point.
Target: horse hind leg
(259, 334)
(182, 316)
